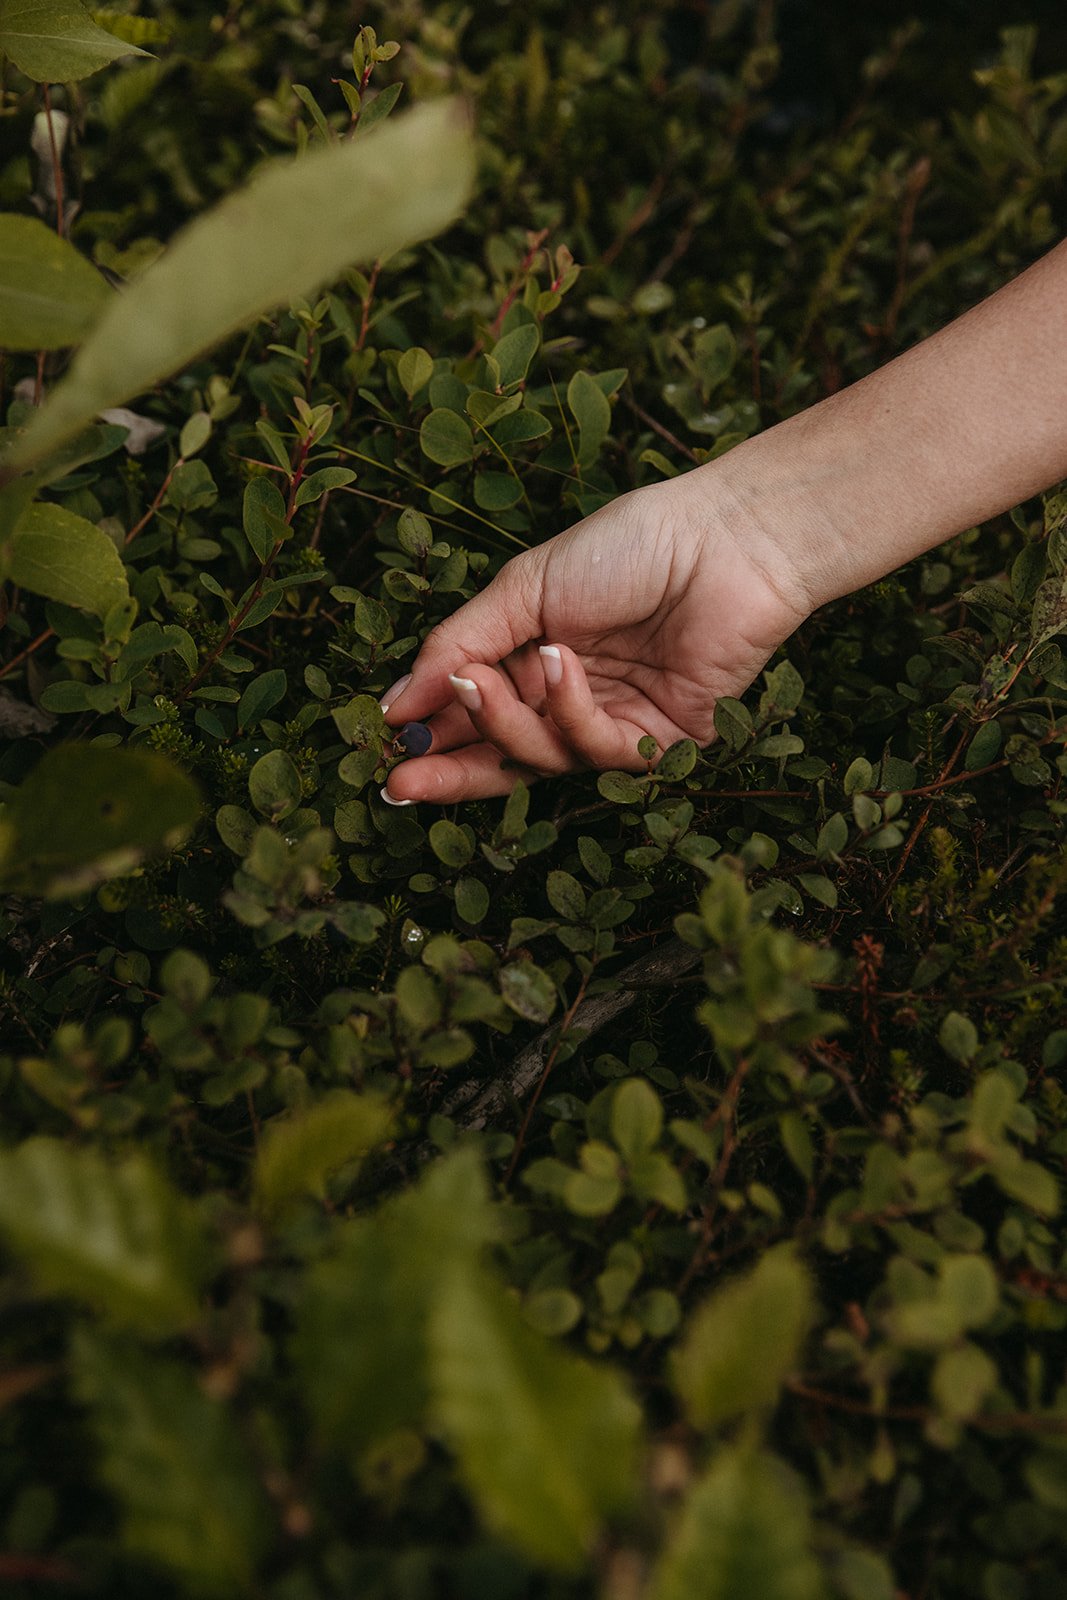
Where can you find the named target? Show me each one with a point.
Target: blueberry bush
(646, 1186)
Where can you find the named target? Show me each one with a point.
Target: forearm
(959, 428)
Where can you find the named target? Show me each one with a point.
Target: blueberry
(415, 738)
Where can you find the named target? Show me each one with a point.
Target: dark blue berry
(415, 738)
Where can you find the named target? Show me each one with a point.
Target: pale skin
(638, 618)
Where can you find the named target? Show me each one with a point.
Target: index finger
(505, 616)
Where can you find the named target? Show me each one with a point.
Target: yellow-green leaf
(299, 1152)
(114, 1234)
(744, 1341)
(50, 295)
(297, 225)
(745, 1534)
(56, 41)
(86, 813)
(55, 553)
(546, 1442)
(173, 1457)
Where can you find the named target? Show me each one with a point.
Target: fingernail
(393, 690)
(552, 662)
(387, 797)
(467, 692)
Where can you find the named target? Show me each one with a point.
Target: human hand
(633, 622)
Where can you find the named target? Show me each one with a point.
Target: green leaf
(622, 787)
(372, 622)
(86, 813)
(969, 1284)
(1027, 1181)
(172, 1457)
(274, 785)
(450, 844)
(496, 491)
(545, 1442)
(49, 293)
(360, 721)
(376, 110)
(796, 1142)
(866, 813)
(984, 747)
(653, 1177)
(297, 225)
(1049, 612)
(472, 899)
(414, 533)
(962, 1379)
(592, 412)
(263, 514)
(414, 369)
(191, 488)
(745, 1340)
(636, 1118)
(833, 837)
(514, 352)
(364, 1311)
(520, 427)
(745, 1534)
(860, 776)
(820, 888)
(733, 722)
(1046, 1476)
(298, 1152)
(591, 1194)
(262, 695)
(784, 690)
(57, 554)
(446, 438)
(553, 1312)
(114, 1234)
(677, 761)
(565, 895)
(56, 41)
(196, 432)
(595, 858)
(314, 487)
(958, 1036)
(528, 990)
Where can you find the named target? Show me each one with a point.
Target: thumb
(506, 615)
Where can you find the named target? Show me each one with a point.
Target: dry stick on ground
(475, 1103)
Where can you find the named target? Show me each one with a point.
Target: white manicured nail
(467, 692)
(393, 690)
(387, 797)
(552, 662)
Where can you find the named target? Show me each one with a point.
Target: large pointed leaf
(114, 1234)
(364, 1313)
(299, 1152)
(62, 556)
(745, 1340)
(174, 1461)
(546, 1442)
(744, 1535)
(49, 293)
(293, 228)
(56, 41)
(87, 813)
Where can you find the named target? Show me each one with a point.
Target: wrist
(772, 498)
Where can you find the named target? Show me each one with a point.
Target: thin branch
(988, 1422)
(140, 526)
(16, 661)
(475, 1102)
